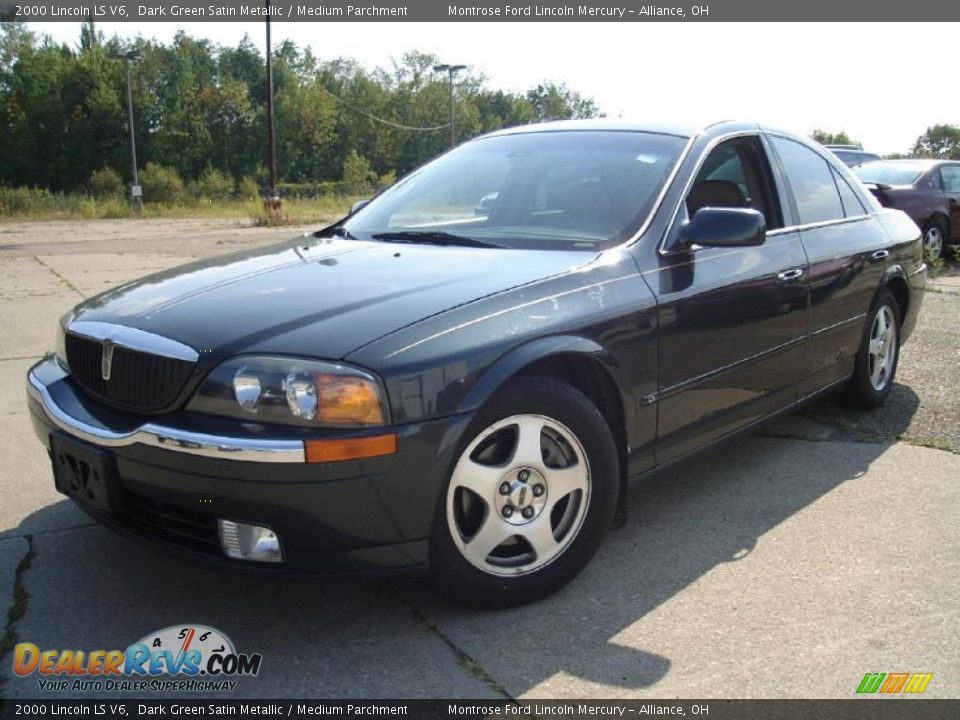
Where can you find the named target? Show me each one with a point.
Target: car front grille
(171, 524)
(139, 381)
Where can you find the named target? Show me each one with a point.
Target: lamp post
(273, 199)
(451, 70)
(136, 193)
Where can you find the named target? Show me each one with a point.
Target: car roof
(605, 124)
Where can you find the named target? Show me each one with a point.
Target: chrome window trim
(133, 339)
(173, 439)
(813, 226)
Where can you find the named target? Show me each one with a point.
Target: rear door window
(852, 206)
(811, 180)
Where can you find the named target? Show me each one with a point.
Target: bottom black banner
(854, 709)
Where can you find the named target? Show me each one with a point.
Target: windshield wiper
(432, 237)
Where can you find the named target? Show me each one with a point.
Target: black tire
(863, 390)
(939, 226)
(561, 404)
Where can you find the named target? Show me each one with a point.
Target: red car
(926, 190)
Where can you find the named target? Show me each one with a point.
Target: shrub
(105, 183)
(386, 180)
(213, 185)
(358, 177)
(248, 188)
(161, 184)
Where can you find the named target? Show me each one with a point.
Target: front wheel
(529, 498)
(879, 353)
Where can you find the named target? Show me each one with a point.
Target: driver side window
(736, 175)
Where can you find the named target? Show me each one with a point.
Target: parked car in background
(926, 190)
(421, 386)
(852, 155)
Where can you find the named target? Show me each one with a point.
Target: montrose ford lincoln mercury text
(465, 372)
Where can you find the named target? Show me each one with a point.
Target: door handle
(790, 275)
(879, 255)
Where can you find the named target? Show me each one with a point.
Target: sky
(860, 78)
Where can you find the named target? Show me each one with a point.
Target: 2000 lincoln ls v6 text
(464, 373)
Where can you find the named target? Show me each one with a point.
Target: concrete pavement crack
(932, 443)
(17, 610)
(466, 661)
(60, 277)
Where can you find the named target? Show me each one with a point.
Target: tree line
(200, 113)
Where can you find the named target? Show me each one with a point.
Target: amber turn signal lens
(347, 400)
(324, 451)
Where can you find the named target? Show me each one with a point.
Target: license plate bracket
(85, 473)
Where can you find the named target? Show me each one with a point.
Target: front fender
(542, 349)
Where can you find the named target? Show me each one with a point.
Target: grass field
(25, 204)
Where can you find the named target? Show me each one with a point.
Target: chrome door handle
(790, 275)
(879, 255)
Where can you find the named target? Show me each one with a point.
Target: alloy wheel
(882, 350)
(518, 495)
(933, 243)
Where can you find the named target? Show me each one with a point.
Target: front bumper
(176, 479)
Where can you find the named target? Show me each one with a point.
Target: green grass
(30, 204)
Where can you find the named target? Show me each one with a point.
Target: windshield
(570, 189)
(890, 173)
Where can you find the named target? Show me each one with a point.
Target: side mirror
(359, 205)
(723, 227)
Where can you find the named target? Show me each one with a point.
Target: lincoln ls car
(462, 375)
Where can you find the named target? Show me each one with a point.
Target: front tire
(529, 498)
(876, 364)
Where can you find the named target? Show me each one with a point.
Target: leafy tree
(558, 102)
(939, 141)
(200, 108)
(828, 138)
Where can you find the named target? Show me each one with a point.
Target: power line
(399, 126)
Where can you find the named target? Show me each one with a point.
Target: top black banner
(186, 11)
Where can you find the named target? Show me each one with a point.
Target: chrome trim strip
(835, 325)
(173, 439)
(716, 372)
(134, 339)
(813, 226)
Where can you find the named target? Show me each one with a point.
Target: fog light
(249, 542)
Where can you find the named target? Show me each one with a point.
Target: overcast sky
(873, 80)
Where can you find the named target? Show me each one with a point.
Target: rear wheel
(876, 363)
(529, 498)
(934, 240)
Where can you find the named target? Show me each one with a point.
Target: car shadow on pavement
(362, 637)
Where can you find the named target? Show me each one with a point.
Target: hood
(323, 298)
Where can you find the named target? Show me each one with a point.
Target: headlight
(292, 391)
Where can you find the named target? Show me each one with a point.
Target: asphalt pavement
(786, 564)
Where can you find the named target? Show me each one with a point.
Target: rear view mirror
(358, 205)
(724, 227)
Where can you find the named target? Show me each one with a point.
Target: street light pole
(135, 191)
(451, 70)
(271, 138)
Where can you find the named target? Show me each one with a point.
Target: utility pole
(273, 199)
(451, 70)
(136, 193)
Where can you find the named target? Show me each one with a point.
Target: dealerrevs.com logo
(180, 657)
